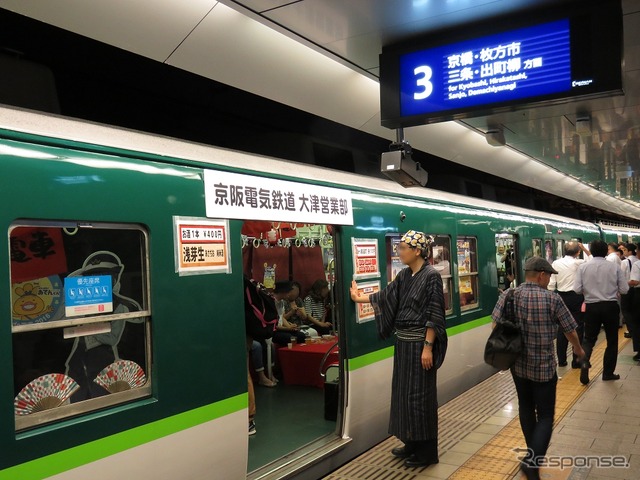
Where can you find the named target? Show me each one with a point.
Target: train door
(507, 260)
(295, 373)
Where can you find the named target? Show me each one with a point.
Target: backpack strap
(259, 314)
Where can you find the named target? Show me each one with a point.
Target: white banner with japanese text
(247, 197)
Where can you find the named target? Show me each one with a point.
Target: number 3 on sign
(423, 82)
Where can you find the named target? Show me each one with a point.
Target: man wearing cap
(539, 312)
(413, 306)
(601, 282)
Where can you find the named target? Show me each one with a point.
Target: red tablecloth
(300, 365)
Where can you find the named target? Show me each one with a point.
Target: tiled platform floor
(600, 419)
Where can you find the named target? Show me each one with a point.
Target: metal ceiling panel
(146, 27)
(357, 29)
(233, 49)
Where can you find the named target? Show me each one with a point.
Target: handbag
(504, 345)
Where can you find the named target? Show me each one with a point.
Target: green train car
(123, 351)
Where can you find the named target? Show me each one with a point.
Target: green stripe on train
(104, 447)
(378, 355)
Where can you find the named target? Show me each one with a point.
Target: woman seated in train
(315, 306)
(290, 321)
(257, 360)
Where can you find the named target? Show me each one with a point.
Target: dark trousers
(573, 301)
(630, 304)
(602, 314)
(537, 404)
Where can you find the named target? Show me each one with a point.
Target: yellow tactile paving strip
(497, 460)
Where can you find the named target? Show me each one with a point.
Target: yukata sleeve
(385, 306)
(435, 316)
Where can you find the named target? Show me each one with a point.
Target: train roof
(53, 126)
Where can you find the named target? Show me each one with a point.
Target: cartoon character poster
(36, 301)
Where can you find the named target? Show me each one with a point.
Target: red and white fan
(120, 376)
(43, 393)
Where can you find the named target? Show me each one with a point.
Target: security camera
(400, 167)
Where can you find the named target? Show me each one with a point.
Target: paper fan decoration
(120, 376)
(43, 393)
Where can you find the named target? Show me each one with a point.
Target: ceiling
(321, 56)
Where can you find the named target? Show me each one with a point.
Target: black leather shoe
(401, 452)
(584, 376)
(562, 364)
(636, 357)
(415, 462)
(575, 365)
(627, 334)
(613, 376)
(530, 472)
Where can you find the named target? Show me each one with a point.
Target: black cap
(538, 264)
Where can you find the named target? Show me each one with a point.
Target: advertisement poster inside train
(464, 257)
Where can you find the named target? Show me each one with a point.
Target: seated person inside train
(289, 323)
(315, 306)
(257, 360)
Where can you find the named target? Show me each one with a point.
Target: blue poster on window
(88, 295)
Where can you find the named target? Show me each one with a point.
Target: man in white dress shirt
(563, 284)
(626, 301)
(600, 282)
(633, 323)
(612, 253)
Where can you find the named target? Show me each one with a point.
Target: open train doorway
(294, 371)
(507, 260)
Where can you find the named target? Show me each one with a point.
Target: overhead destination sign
(546, 56)
(524, 63)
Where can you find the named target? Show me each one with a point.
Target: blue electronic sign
(548, 55)
(524, 63)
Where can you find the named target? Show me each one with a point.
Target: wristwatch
(427, 343)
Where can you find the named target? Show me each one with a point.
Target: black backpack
(260, 313)
(504, 345)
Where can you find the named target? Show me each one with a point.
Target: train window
(536, 244)
(440, 258)
(467, 248)
(548, 250)
(560, 249)
(506, 260)
(80, 318)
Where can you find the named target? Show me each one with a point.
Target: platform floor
(480, 429)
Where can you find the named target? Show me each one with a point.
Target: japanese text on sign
(365, 311)
(201, 246)
(524, 63)
(231, 195)
(365, 258)
(88, 295)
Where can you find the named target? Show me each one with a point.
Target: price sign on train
(365, 311)
(201, 245)
(365, 258)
